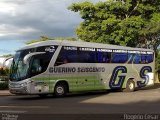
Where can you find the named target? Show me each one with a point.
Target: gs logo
(121, 78)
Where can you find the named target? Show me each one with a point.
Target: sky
(24, 20)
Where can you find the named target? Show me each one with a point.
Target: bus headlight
(23, 84)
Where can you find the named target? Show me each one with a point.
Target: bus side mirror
(28, 56)
(26, 59)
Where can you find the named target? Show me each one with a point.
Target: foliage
(66, 38)
(4, 71)
(122, 22)
(8, 55)
(4, 77)
(45, 38)
(158, 62)
(42, 38)
(3, 86)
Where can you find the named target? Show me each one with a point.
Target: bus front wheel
(60, 90)
(130, 86)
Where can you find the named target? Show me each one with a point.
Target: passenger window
(149, 58)
(66, 56)
(134, 58)
(137, 59)
(130, 57)
(87, 57)
(119, 57)
(144, 58)
(104, 57)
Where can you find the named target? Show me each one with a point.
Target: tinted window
(130, 57)
(40, 62)
(143, 58)
(147, 58)
(104, 57)
(76, 55)
(119, 57)
(67, 55)
(134, 58)
(100, 55)
(85, 56)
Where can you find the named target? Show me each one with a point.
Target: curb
(5, 93)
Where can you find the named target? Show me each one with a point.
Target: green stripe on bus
(81, 83)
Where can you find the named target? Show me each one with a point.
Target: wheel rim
(60, 90)
(131, 86)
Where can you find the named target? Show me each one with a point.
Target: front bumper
(17, 88)
(22, 91)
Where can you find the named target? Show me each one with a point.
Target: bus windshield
(18, 68)
(36, 64)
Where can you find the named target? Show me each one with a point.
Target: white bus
(61, 67)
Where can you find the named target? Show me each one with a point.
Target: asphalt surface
(83, 106)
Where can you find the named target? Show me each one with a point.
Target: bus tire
(60, 90)
(130, 86)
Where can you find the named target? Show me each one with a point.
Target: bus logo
(50, 49)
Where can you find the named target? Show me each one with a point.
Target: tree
(150, 35)
(8, 56)
(42, 38)
(4, 71)
(122, 22)
(158, 63)
(45, 38)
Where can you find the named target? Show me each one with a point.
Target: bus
(60, 67)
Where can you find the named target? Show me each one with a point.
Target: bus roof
(81, 44)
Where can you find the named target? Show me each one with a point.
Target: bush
(4, 71)
(3, 85)
(4, 82)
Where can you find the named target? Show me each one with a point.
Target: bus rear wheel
(130, 86)
(60, 90)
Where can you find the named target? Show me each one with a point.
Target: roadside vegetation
(45, 38)
(4, 78)
(4, 74)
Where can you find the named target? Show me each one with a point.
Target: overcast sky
(23, 20)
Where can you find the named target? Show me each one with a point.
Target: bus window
(119, 57)
(39, 64)
(87, 56)
(137, 59)
(134, 58)
(103, 57)
(143, 58)
(36, 66)
(149, 58)
(146, 58)
(66, 56)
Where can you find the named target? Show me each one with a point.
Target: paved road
(96, 103)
